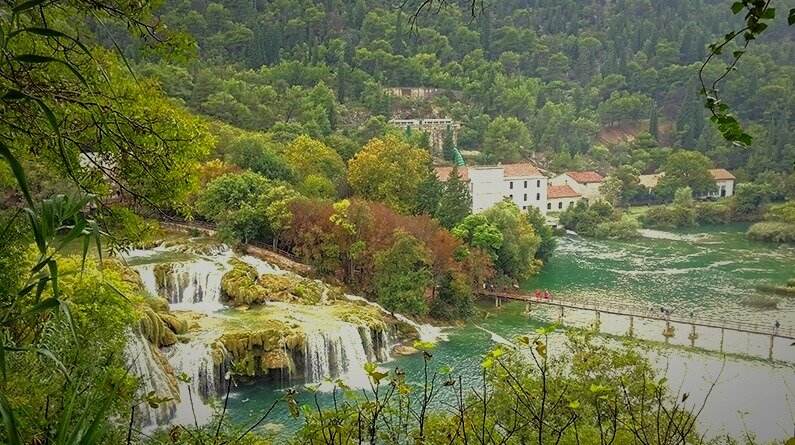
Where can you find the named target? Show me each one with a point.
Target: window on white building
(560, 205)
(525, 196)
(525, 184)
(538, 183)
(510, 185)
(511, 196)
(524, 207)
(549, 206)
(538, 196)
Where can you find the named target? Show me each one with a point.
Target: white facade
(561, 204)
(489, 185)
(523, 184)
(723, 188)
(586, 184)
(526, 191)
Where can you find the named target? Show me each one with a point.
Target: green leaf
(790, 22)
(10, 422)
(38, 58)
(46, 305)
(48, 354)
(12, 95)
(27, 5)
(19, 173)
(770, 13)
(737, 7)
(369, 367)
(56, 128)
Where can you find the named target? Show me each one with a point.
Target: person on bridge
(538, 294)
(546, 295)
(778, 325)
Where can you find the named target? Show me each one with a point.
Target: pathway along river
(708, 271)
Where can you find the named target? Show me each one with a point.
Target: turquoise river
(707, 272)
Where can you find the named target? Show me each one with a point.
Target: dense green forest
(579, 76)
(270, 120)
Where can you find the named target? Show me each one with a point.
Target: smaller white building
(561, 197)
(523, 184)
(724, 183)
(587, 184)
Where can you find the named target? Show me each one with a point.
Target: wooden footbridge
(635, 312)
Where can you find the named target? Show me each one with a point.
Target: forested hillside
(558, 78)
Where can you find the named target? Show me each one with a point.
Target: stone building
(436, 129)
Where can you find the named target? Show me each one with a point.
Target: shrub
(775, 232)
(624, 229)
(712, 213)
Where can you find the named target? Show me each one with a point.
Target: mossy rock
(176, 325)
(161, 329)
(128, 275)
(361, 315)
(290, 288)
(240, 284)
(168, 338)
(158, 304)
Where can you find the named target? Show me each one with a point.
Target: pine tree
(448, 148)
(654, 129)
(455, 203)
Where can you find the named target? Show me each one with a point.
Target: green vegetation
(599, 219)
(100, 123)
(779, 225)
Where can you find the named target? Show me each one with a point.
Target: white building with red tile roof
(724, 183)
(523, 184)
(561, 197)
(586, 183)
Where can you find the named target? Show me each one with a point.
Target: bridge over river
(633, 313)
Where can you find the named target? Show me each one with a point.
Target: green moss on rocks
(243, 286)
(240, 284)
(290, 288)
(259, 350)
(160, 327)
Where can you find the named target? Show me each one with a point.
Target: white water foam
(426, 332)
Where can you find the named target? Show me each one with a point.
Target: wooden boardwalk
(644, 313)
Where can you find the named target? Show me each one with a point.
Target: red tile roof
(561, 191)
(443, 173)
(721, 174)
(520, 170)
(585, 177)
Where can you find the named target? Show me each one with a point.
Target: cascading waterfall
(339, 352)
(426, 332)
(194, 360)
(194, 286)
(141, 362)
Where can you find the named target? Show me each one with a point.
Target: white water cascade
(426, 332)
(194, 285)
(141, 362)
(194, 360)
(337, 353)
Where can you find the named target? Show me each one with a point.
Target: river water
(706, 272)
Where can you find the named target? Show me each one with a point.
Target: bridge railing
(634, 310)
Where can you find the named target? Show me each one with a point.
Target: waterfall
(141, 362)
(426, 332)
(194, 360)
(339, 353)
(194, 286)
